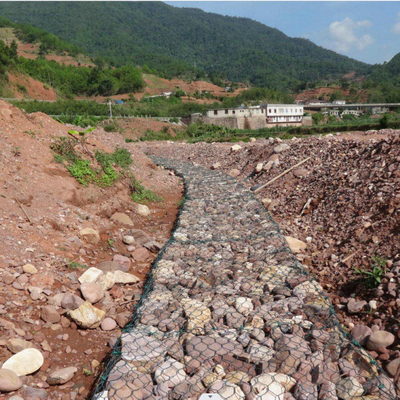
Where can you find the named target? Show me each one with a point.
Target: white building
(283, 114)
(236, 112)
(339, 102)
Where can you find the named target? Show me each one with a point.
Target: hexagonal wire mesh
(228, 309)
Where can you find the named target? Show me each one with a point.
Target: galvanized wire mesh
(228, 309)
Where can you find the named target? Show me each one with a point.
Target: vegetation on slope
(173, 40)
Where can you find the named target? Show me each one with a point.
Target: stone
(29, 269)
(380, 339)
(259, 167)
(361, 333)
(171, 371)
(61, 376)
(153, 246)
(9, 381)
(139, 237)
(141, 254)
(280, 149)
(142, 351)
(25, 362)
(237, 377)
(234, 173)
(107, 281)
(71, 301)
(348, 388)
(127, 239)
(123, 262)
(89, 235)
(355, 307)
(41, 281)
(267, 387)
(206, 347)
(50, 314)
(15, 345)
(32, 393)
(122, 219)
(142, 210)
(123, 277)
(266, 379)
(235, 148)
(227, 390)
(301, 172)
(91, 292)
(87, 316)
(295, 245)
(244, 305)
(109, 266)
(198, 315)
(123, 318)
(393, 367)
(90, 275)
(216, 165)
(108, 324)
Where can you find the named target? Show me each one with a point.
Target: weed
(87, 371)
(122, 157)
(111, 127)
(111, 242)
(16, 151)
(374, 277)
(140, 194)
(127, 140)
(75, 265)
(30, 133)
(74, 132)
(21, 88)
(82, 171)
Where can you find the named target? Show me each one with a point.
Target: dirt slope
(42, 211)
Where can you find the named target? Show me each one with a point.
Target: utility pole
(109, 103)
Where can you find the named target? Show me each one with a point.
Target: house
(315, 102)
(283, 114)
(241, 111)
(339, 102)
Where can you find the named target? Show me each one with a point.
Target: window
(271, 111)
(233, 111)
(226, 111)
(215, 112)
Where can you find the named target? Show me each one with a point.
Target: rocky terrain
(339, 211)
(230, 310)
(73, 259)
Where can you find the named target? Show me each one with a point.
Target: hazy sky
(368, 31)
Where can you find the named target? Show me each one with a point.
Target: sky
(368, 31)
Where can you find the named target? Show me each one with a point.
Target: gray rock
(71, 301)
(61, 376)
(355, 307)
(380, 339)
(361, 333)
(92, 292)
(9, 381)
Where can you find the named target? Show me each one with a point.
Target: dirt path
(230, 310)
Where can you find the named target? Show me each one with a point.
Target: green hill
(172, 40)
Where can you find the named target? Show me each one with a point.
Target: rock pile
(231, 311)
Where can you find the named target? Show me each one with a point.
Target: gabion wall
(228, 309)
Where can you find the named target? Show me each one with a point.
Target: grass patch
(103, 175)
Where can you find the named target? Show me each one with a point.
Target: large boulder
(89, 235)
(87, 316)
(25, 362)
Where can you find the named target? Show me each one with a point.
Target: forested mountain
(174, 40)
(384, 82)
